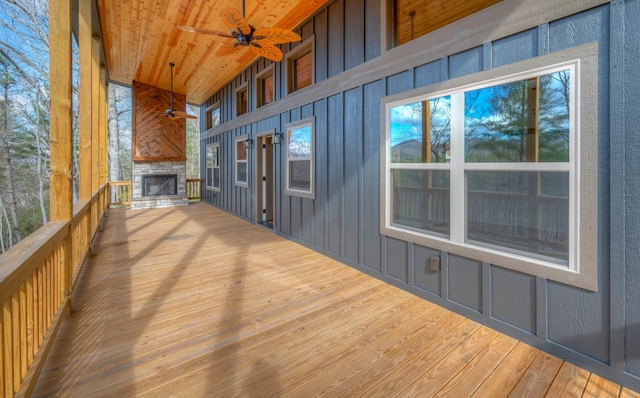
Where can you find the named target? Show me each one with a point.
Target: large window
(300, 159)
(300, 66)
(491, 167)
(213, 166)
(242, 164)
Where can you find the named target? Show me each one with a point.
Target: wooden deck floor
(193, 302)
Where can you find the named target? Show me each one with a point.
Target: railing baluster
(15, 334)
(7, 342)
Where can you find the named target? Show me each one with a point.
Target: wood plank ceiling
(141, 39)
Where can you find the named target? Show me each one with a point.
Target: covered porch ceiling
(141, 39)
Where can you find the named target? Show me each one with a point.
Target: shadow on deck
(194, 302)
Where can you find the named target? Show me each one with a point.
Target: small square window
(212, 115)
(300, 66)
(300, 159)
(213, 166)
(241, 161)
(242, 100)
(265, 86)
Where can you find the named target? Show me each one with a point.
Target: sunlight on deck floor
(194, 302)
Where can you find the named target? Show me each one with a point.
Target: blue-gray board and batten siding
(598, 331)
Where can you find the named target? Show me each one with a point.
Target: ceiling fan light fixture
(261, 41)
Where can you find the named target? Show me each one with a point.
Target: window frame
(582, 265)
(242, 89)
(309, 194)
(389, 34)
(307, 46)
(209, 115)
(240, 140)
(267, 72)
(212, 187)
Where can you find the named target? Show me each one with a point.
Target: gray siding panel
(513, 298)
(466, 62)
(399, 82)
(335, 42)
(515, 48)
(465, 282)
(372, 241)
(284, 226)
(372, 29)
(320, 212)
(335, 166)
(428, 74)
(320, 45)
(352, 173)
(397, 260)
(296, 214)
(632, 188)
(354, 38)
(424, 278)
(576, 318)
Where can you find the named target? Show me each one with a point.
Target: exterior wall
(353, 71)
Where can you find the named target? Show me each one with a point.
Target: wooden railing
(37, 277)
(194, 185)
(119, 193)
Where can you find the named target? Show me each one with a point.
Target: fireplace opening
(159, 184)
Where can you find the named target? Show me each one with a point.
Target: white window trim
(269, 70)
(310, 194)
(209, 111)
(583, 245)
(243, 87)
(241, 139)
(301, 49)
(212, 187)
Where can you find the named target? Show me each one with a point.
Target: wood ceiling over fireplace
(156, 137)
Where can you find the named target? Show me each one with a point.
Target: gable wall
(599, 331)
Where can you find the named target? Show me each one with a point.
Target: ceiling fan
(173, 113)
(262, 41)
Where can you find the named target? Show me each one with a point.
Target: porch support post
(60, 135)
(86, 61)
(95, 128)
(103, 136)
(85, 109)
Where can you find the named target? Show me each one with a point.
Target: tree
(193, 144)
(119, 133)
(500, 121)
(24, 118)
(6, 81)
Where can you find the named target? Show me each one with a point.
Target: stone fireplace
(159, 184)
(159, 169)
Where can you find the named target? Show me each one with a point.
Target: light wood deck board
(194, 302)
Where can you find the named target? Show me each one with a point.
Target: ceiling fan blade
(203, 31)
(276, 35)
(234, 20)
(268, 51)
(182, 115)
(228, 48)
